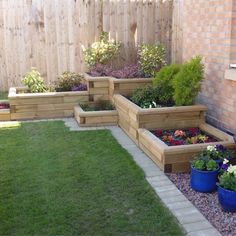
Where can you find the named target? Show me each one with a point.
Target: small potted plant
(227, 187)
(204, 173)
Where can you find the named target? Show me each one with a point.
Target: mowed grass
(57, 182)
(3, 95)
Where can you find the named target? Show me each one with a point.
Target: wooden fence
(48, 34)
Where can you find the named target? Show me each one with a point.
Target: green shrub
(34, 82)
(163, 81)
(145, 97)
(187, 82)
(151, 58)
(102, 51)
(67, 81)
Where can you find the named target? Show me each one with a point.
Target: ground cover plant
(58, 182)
(184, 136)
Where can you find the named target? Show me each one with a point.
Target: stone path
(191, 220)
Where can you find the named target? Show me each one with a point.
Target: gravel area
(208, 204)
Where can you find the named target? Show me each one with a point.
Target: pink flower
(180, 133)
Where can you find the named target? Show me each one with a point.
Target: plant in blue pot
(204, 173)
(227, 188)
(218, 153)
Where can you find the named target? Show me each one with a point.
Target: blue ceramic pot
(227, 199)
(203, 181)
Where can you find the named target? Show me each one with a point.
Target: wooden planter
(132, 117)
(98, 87)
(102, 87)
(44, 105)
(177, 158)
(126, 87)
(95, 118)
(5, 113)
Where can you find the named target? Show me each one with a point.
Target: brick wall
(209, 29)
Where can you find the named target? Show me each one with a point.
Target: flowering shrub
(102, 51)
(183, 137)
(228, 179)
(151, 58)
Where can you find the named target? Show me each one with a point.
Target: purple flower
(81, 87)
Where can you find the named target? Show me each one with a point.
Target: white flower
(211, 148)
(232, 169)
(225, 161)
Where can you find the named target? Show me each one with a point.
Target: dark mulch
(208, 204)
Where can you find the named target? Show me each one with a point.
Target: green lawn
(3, 95)
(57, 182)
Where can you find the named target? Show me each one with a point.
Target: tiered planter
(137, 122)
(177, 158)
(95, 118)
(98, 87)
(132, 117)
(43, 105)
(4, 113)
(102, 87)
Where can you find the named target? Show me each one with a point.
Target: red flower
(176, 142)
(159, 132)
(180, 133)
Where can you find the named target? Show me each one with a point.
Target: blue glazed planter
(203, 181)
(227, 199)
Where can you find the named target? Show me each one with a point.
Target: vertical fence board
(49, 35)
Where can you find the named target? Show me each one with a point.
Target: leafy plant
(67, 81)
(34, 82)
(228, 178)
(163, 80)
(102, 51)
(204, 163)
(186, 83)
(151, 58)
(146, 96)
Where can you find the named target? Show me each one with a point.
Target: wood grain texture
(49, 35)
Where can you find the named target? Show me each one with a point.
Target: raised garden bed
(177, 158)
(95, 118)
(125, 86)
(4, 110)
(43, 105)
(133, 117)
(102, 87)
